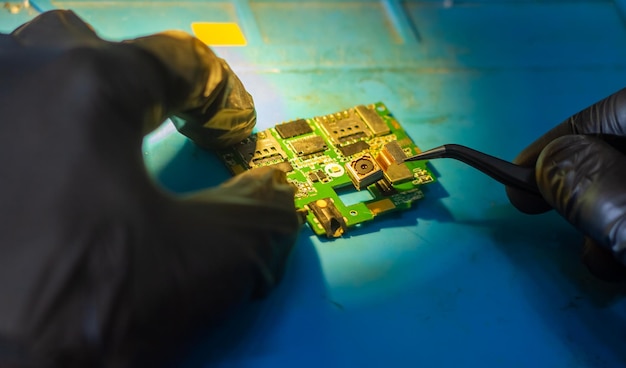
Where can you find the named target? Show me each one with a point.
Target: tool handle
(505, 172)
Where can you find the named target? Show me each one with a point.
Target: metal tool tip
(436, 152)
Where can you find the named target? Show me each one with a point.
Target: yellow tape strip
(219, 34)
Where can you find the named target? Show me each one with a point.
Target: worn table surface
(462, 278)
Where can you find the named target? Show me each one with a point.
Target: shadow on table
(244, 336)
(584, 312)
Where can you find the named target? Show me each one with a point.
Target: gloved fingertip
(561, 169)
(228, 119)
(56, 28)
(280, 177)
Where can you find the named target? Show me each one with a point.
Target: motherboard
(327, 157)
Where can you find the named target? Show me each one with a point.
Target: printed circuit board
(325, 157)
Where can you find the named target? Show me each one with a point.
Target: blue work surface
(462, 279)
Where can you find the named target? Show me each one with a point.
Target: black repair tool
(505, 172)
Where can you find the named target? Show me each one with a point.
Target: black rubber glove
(97, 264)
(581, 172)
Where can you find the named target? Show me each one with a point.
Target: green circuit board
(324, 157)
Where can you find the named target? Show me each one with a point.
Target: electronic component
(373, 120)
(328, 217)
(318, 175)
(381, 206)
(391, 153)
(385, 188)
(398, 173)
(313, 177)
(302, 188)
(362, 147)
(293, 128)
(422, 176)
(334, 169)
(363, 171)
(354, 148)
(344, 130)
(391, 160)
(257, 152)
(308, 146)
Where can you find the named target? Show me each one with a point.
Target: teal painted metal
(461, 279)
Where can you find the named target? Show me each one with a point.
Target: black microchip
(307, 146)
(354, 148)
(314, 178)
(293, 128)
(318, 175)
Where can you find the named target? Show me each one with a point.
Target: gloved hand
(581, 172)
(97, 264)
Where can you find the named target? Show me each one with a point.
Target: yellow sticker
(219, 34)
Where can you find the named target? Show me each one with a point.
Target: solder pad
(360, 148)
